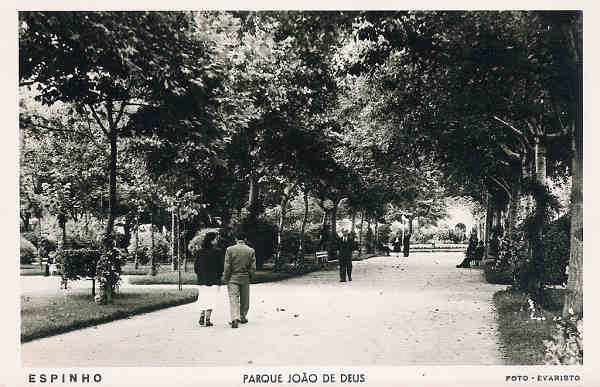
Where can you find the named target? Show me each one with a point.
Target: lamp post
(179, 286)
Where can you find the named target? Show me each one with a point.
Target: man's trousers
(239, 300)
(345, 268)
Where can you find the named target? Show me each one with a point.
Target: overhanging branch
(98, 120)
(509, 152)
(504, 187)
(521, 135)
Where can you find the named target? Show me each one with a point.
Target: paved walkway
(419, 310)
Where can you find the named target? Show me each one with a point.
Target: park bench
(310, 258)
(322, 258)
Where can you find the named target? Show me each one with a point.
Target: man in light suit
(239, 268)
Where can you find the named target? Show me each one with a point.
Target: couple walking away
(235, 271)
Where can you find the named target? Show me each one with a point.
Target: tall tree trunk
(489, 214)
(353, 226)
(137, 241)
(252, 204)
(515, 201)
(127, 230)
(333, 234)
(303, 228)
(573, 35)
(62, 223)
(540, 209)
(407, 236)
(39, 246)
(360, 233)
(173, 251)
(574, 296)
(178, 227)
(152, 264)
(323, 237)
(178, 239)
(287, 191)
(25, 219)
(227, 218)
(112, 184)
(184, 247)
(370, 243)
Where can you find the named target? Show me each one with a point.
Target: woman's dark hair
(208, 238)
(239, 234)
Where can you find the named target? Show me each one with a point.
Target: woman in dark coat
(209, 269)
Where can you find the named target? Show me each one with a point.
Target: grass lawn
(522, 338)
(165, 267)
(189, 278)
(33, 269)
(46, 315)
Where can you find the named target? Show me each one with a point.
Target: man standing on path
(345, 256)
(239, 268)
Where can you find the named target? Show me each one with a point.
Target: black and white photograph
(272, 196)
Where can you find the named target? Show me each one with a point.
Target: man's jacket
(240, 264)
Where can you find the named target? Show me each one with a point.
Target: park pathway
(419, 310)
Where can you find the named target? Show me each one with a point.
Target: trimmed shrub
(261, 236)
(28, 251)
(511, 265)
(369, 241)
(502, 275)
(31, 236)
(290, 243)
(384, 232)
(309, 244)
(557, 243)
(44, 244)
(121, 241)
(108, 272)
(48, 246)
(78, 264)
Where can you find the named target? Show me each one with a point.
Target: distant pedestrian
(209, 269)
(345, 256)
(397, 244)
(239, 268)
(479, 251)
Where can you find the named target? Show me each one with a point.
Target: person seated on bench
(470, 253)
(479, 252)
(475, 255)
(465, 262)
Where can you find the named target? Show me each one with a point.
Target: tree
(425, 59)
(108, 64)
